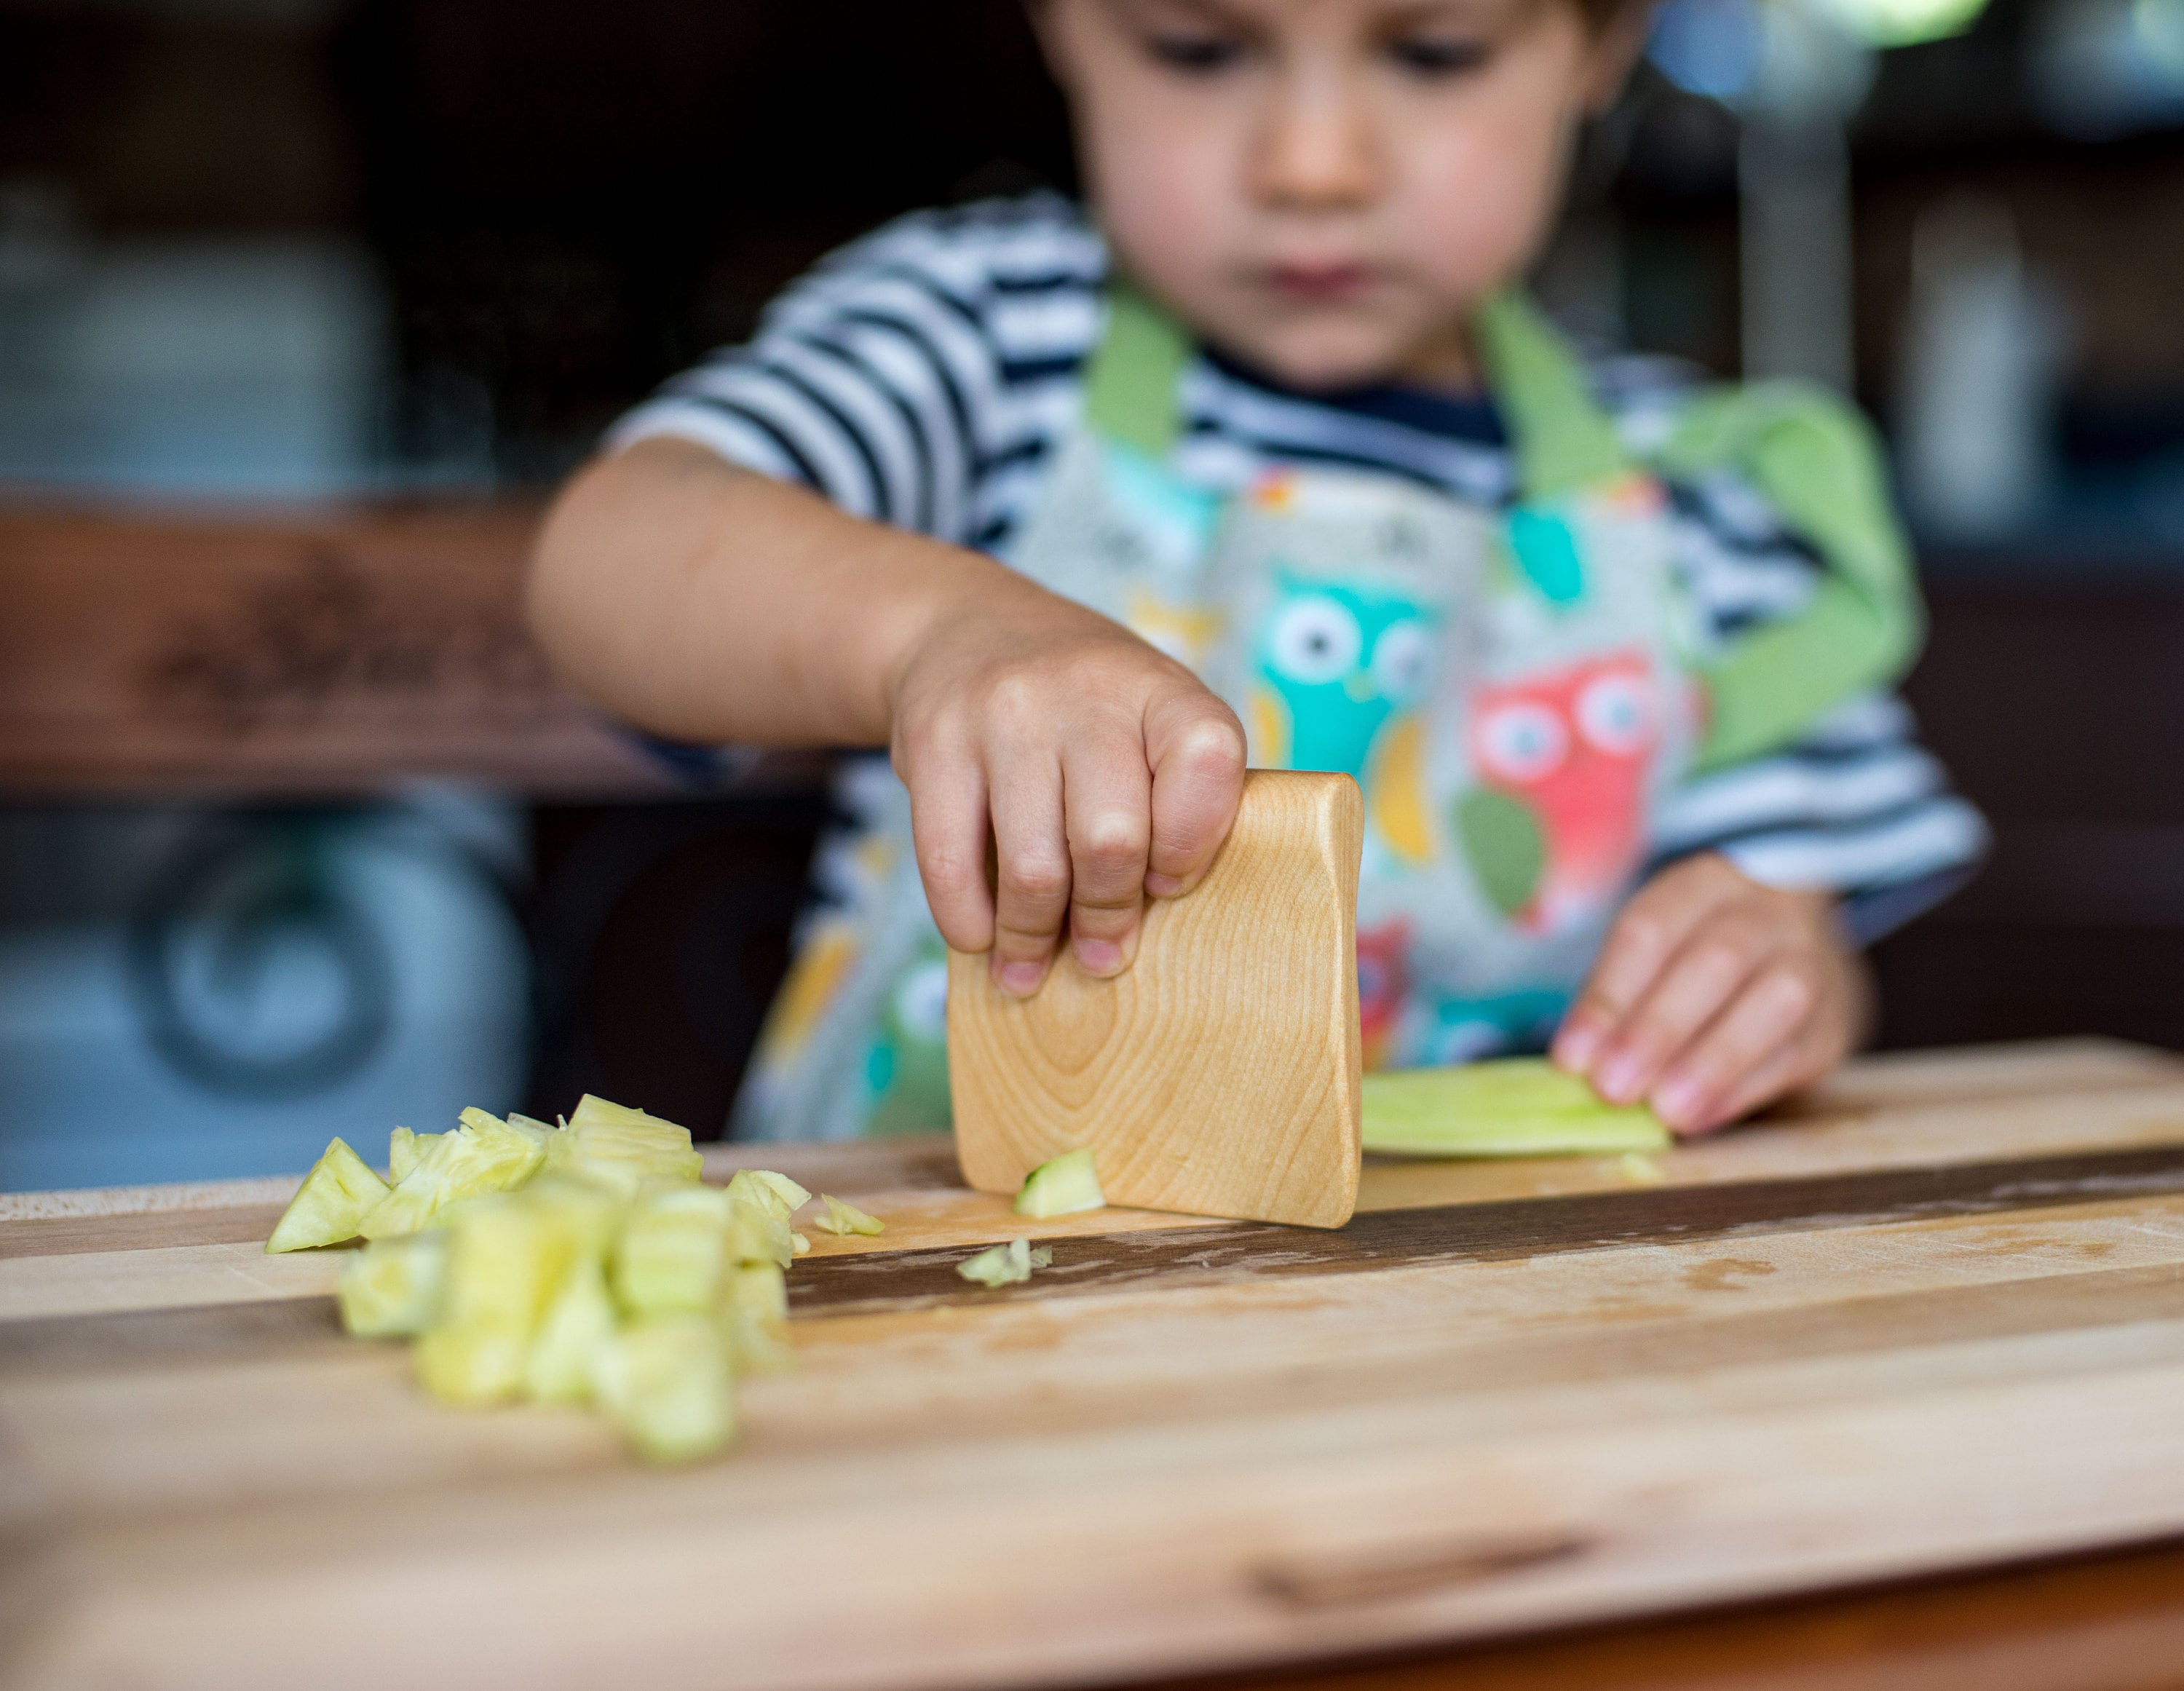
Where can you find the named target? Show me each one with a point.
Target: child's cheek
(1168, 197)
(1478, 209)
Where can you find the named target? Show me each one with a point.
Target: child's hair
(1600, 14)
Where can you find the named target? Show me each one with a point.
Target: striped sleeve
(903, 376)
(1856, 806)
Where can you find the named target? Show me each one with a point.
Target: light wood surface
(1933, 1322)
(1219, 1075)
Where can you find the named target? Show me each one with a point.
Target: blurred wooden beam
(316, 652)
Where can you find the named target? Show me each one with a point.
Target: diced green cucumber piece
(788, 1196)
(579, 1321)
(999, 1266)
(331, 1204)
(665, 1382)
(1064, 1186)
(846, 1218)
(673, 1251)
(392, 1288)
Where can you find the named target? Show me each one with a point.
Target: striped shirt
(925, 376)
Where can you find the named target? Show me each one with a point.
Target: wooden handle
(1219, 1075)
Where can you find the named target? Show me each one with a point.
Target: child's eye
(1195, 55)
(1432, 56)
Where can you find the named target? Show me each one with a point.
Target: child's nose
(1317, 150)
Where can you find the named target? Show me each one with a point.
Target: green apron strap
(1816, 462)
(1562, 437)
(1130, 383)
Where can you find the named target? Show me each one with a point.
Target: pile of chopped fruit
(585, 1263)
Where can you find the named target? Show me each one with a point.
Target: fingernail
(1575, 1048)
(1618, 1079)
(1022, 980)
(1163, 886)
(1098, 956)
(1679, 1102)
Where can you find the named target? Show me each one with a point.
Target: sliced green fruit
(507, 1256)
(623, 1147)
(579, 1321)
(792, 1196)
(758, 1231)
(404, 1151)
(755, 1319)
(1510, 1107)
(483, 1155)
(331, 1204)
(473, 1366)
(673, 1252)
(846, 1218)
(392, 1288)
(665, 1383)
(999, 1266)
(1064, 1186)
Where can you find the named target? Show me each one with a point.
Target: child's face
(1326, 188)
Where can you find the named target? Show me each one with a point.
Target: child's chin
(1326, 356)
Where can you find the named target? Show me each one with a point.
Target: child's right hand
(1101, 770)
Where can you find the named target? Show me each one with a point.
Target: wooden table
(1931, 1324)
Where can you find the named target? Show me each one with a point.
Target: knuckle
(1039, 881)
(1212, 748)
(1112, 845)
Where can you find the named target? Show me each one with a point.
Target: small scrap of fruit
(999, 1266)
(403, 1151)
(331, 1204)
(1065, 1185)
(392, 1289)
(846, 1218)
(483, 1155)
(667, 1384)
(581, 1264)
(1511, 1107)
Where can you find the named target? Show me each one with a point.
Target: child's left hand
(1714, 995)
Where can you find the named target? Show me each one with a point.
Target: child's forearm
(705, 602)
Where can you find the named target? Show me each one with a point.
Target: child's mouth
(1318, 284)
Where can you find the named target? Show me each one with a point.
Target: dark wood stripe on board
(874, 1280)
(879, 1281)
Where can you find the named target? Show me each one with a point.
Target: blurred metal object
(1793, 182)
(1982, 361)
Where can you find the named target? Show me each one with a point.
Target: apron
(1515, 692)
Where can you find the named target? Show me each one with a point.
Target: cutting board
(1932, 1320)
(1218, 1074)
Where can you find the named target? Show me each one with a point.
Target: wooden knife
(1219, 1074)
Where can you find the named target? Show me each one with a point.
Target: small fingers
(948, 827)
(1790, 1067)
(1196, 746)
(1107, 797)
(1649, 932)
(1706, 1084)
(1031, 875)
(1698, 982)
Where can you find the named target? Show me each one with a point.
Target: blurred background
(305, 304)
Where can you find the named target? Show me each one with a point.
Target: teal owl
(1335, 662)
(906, 1066)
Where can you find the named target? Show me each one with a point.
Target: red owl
(1572, 748)
(1383, 982)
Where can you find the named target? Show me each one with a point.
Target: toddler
(1263, 456)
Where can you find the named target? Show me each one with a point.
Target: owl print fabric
(1474, 606)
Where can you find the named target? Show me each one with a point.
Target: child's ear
(1616, 46)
